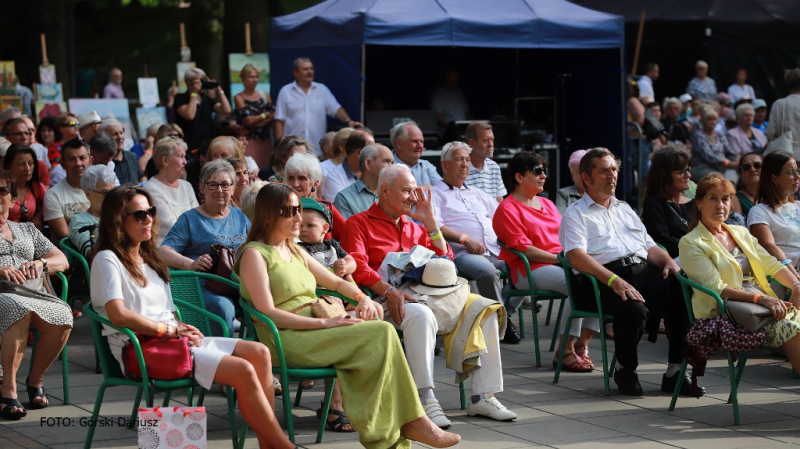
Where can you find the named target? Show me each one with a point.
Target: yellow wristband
(263, 116)
(611, 280)
(193, 94)
(160, 330)
(438, 235)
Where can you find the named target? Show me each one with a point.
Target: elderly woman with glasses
(666, 211)
(188, 244)
(171, 194)
(775, 221)
(21, 161)
(96, 182)
(303, 173)
(24, 252)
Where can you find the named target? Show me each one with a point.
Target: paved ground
(573, 413)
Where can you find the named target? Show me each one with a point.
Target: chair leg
(549, 312)
(678, 386)
(558, 325)
(734, 397)
(201, 397)
(92, 423)
(326, 405)
(299, 394)
(535, 335)
(522, 319)
(136, 403)
(604, 350)
(463, 393)
(287, 408)
(64, 374)
(563, 347)
(167, 397)
(97, 369)
(232, 418)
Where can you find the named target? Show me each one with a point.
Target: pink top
(519, 226)
(33, 202)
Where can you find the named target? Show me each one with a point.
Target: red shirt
(371, 235)
(338, 226)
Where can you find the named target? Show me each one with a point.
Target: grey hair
(107, 123)
(296, 62)
(369, 153)
(103, 142)
(327, 139)
(8, 114)
(389, 174)
(707, 111)
(700, 63)
(248, 199)
(304, 163)
(400, 131)
(4, 144)
(165, 147)
(672, 100)
(96, 173)
(215, 167)
(449, 148)
(744, 107)
(193, 73)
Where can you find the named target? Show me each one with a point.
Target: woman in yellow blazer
(729, 261)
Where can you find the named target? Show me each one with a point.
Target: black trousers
(663, 297)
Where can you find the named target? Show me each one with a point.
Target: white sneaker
(490, 407)
(436, 414)
(236, 325)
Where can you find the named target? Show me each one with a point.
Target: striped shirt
(490, 180)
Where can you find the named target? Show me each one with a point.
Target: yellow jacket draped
(708, 263)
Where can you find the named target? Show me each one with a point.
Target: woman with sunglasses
(24, 252)
(529, 223)
(130, 287)
(749, 178)
(96, 182)
(188, 244)
(775, 221)
(21, 161)
(666, 211)
(279, 280)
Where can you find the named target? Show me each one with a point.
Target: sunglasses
(141, 215)
(289, 211)
(5, 191)
(754, 165)
(538, 170)
(72, 123)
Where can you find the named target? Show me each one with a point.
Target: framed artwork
(7, 101)
(106, 108)
(236, 61)
(47, 74)
(50, 109)
(146, 117)
(182, 68)
(48, 93)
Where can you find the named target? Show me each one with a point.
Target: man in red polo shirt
(384, 228)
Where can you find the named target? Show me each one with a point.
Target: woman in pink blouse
(529, 224)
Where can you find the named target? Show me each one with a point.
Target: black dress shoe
(512, 334)
(668, 385)
(628, 382)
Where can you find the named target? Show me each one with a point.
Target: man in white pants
(382, 229)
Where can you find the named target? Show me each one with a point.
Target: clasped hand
(190, 332)
(28, 270)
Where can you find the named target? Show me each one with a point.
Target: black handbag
(222, 266)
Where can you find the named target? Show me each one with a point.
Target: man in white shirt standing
(651, 73)
(465, 217)
(303, 106)
(484, 173)
(66, 198)
(604, 237)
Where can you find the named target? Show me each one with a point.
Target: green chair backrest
(185, 286)
(108, 363)
(687, 285)
(74, 255)
(522, 256)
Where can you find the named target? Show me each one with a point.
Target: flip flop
(309, 386)
(10, 403)
(337, 425)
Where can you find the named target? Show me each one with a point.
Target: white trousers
(419, 333)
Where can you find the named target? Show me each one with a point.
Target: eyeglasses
(539, 170)
(21, 133)
(748, 167)
(225, 186)
(174, 136)
(684, 171)
(792, 173)
(289, 211)
(72, 123)
(101, 192)
(141, 215)
(5, 191)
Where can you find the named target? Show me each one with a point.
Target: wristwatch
(44, 262)
(434, 232)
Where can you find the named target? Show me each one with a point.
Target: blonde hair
(246, 70)
(165, 147)
(225, 143)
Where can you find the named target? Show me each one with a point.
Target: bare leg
(52, 339)
(253, 404)
(258, 356)
(15, 339)
(336, 404)
(792, 348)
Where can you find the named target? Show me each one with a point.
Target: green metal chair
(75, 257)
(735, 368)
(113, 376)
(288, 375)
(64, 370)
(536, 295)
(608, 371)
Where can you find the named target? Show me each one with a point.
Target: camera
(210, 85)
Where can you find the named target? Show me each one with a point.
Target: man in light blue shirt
(359, 196)
(408, 145)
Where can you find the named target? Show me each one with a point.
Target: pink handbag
(168, 359)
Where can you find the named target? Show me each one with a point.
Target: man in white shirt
(484, 173)
(604, 237)
(346, 173)
(302, 106)
(408, 143)
(651, 73)
(66, 198)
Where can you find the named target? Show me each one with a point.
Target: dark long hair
(48, 122)
(267, 212)
(667, 159)
(112, 235)
(767, 190)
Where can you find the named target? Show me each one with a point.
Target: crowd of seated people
(168, 204)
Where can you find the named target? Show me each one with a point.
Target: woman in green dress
(278, 278)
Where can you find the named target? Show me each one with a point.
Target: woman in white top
(338, 152)
(172, 196)
(130, 286)
(775, 221)
(740, 89)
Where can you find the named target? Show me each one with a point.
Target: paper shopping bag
(172, 428)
